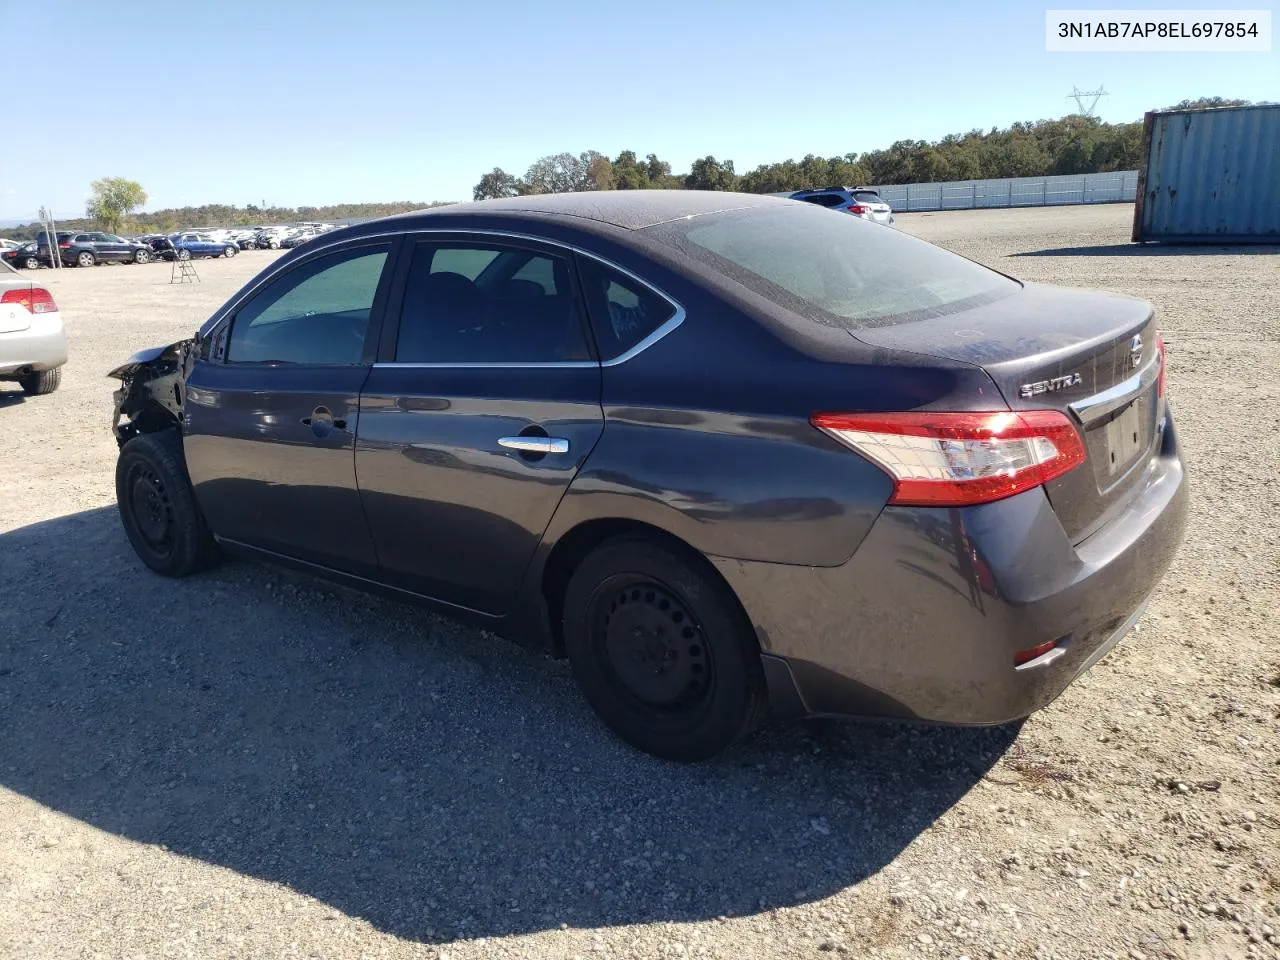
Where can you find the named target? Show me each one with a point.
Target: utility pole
(1080, 96)
(51, 235)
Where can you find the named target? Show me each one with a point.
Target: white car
(33, 345)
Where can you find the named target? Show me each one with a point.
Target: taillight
(64, 246)
(857, 209)
(1161, 355)
(960, 459)
(34, 299)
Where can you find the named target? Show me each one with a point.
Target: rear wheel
(662, 650)
(85, 259)
(32, 263)
(158, 506)
(184, 254)
(46, 381)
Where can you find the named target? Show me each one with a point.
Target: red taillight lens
(857, 209)
(1160, 352)
(960, 459)
(34, 299)
(64, 246)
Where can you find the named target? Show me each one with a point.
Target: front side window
(839, 271)
(318, 312)
(623, 310)
(481, 303)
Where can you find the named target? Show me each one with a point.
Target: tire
(229, 252)
(273, 244)
(184, 254)
(32, 263)
(85, 259)
(158, 506)
(46, 381)
(141, 256)
(678, 673)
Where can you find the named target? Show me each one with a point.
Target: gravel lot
(251, 763)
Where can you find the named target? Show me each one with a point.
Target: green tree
(114, 198)
(711, 174)
(496, 183)
(629, 173)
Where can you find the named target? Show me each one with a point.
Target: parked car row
(87, 248)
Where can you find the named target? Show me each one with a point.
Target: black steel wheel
(158, 507)
(650, 644)
(662, 649)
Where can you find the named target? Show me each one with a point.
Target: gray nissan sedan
(726, 453)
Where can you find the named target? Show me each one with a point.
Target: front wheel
(32, 263)
(229, 251)
(662, 649)
(158, 506)
(184, 254)
(141, 256)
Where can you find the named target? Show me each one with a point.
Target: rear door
(272, 412)
(482, 409)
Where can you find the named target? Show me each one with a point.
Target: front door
(273, 413)
(485, 406)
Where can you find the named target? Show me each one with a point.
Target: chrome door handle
(535, 444)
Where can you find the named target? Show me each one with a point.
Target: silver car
(33, 345)
(858, 201)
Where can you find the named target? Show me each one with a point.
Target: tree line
(1070, 145)
(214, 215)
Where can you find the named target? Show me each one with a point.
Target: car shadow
(425, 776)
(1156, 250)
(11, 398)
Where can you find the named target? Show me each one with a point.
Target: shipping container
(1210, 176)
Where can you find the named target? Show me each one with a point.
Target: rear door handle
(535, 444)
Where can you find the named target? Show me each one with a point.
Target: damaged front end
(152, 390)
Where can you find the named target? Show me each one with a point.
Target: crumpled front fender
(152, 389)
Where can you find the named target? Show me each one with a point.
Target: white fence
(1115, 187)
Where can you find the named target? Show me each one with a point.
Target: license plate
(1126, 437)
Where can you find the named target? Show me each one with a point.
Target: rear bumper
(924, 620)
(42, 346)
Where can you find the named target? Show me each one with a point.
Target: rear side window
(824, 199)
(623, 310)
(482, 303)
(841, 271)
(317, 312)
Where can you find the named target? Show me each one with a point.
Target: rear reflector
(960, 459)
(1033, 653)
(33, 299)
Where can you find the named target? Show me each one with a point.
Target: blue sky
(322, 102)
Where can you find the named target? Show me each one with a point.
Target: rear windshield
(841, 271)
(867, 196)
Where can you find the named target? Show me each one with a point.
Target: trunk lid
(1090, 355)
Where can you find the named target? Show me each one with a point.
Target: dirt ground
(251, 763)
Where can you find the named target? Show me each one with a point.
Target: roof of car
(630, 209)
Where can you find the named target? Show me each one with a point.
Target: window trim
(398, 240)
